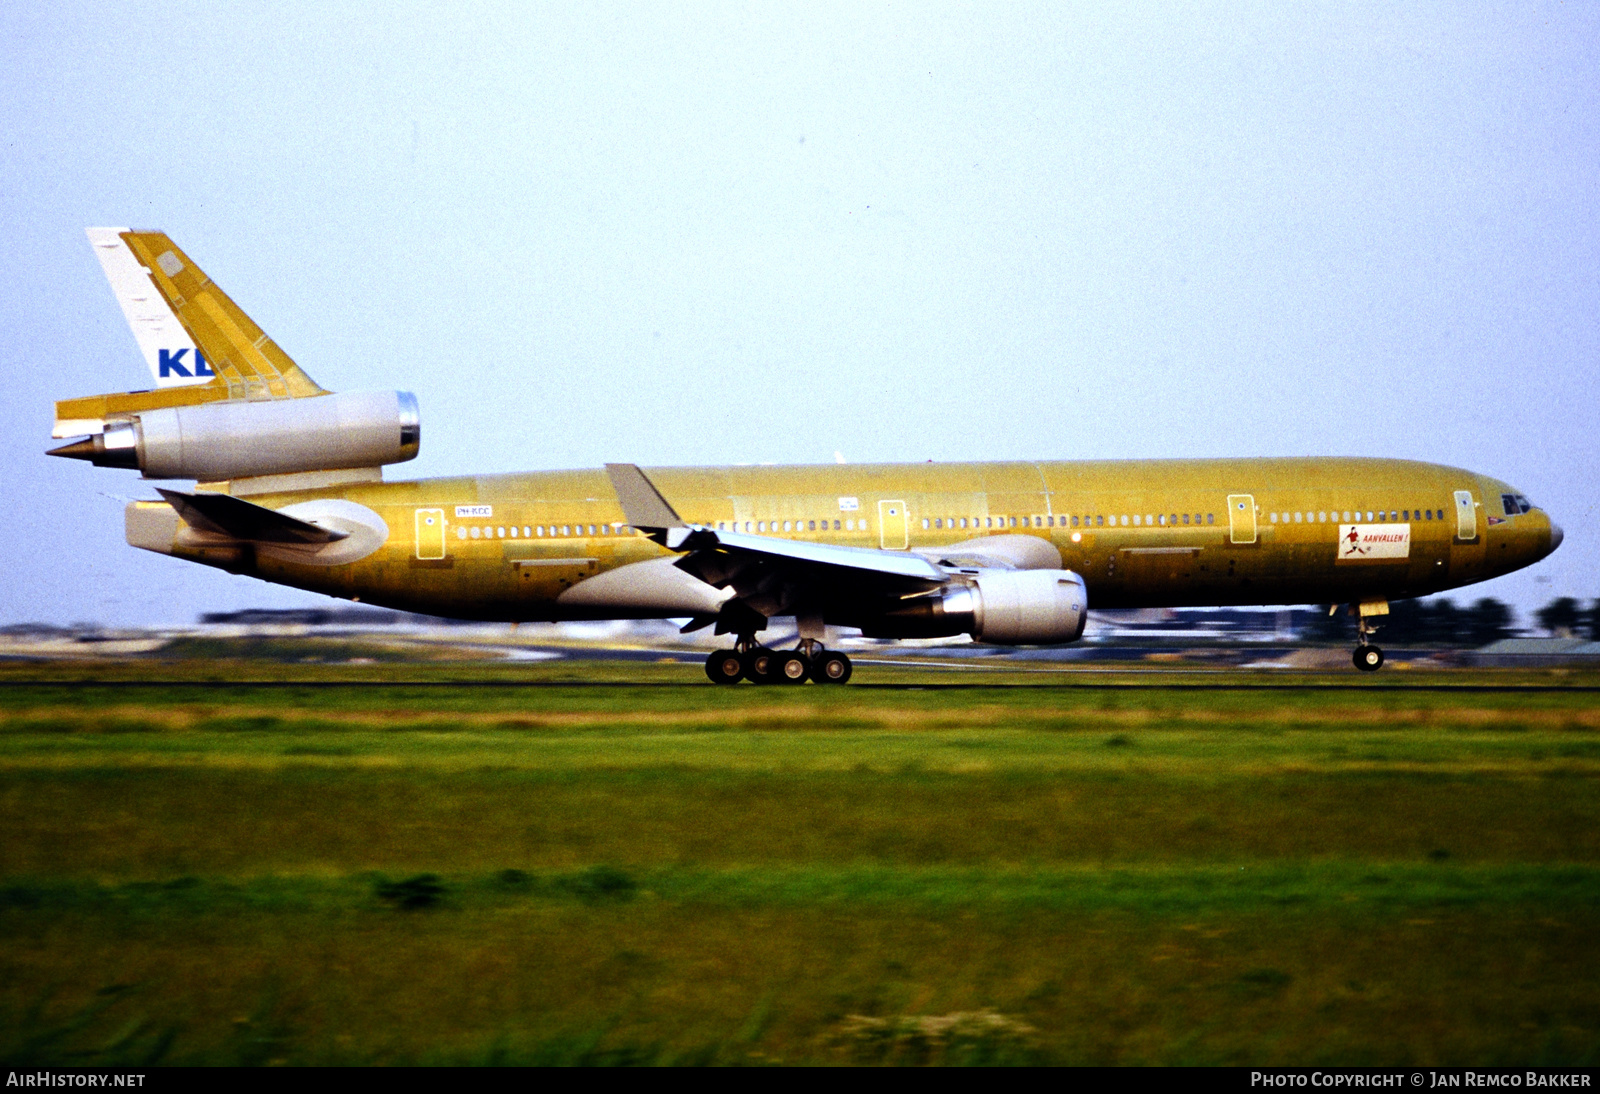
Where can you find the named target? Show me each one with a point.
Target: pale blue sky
(682, 234)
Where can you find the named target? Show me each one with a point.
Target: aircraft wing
(223, 514)
(768, 575)
(712, 552)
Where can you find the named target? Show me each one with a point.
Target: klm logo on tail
(171, 364)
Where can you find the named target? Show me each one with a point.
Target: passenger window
(1274, 518)
(476, 532)
(850, 525)
(864, 527)
(1013, 522)
(1211, 518)
(811, 526)
(835, 526)
(461, 531)
(788, 526)
(926, 523)
(513, 531)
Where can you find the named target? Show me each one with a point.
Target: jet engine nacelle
(237, 439)
(1022, 607)
(1006, 607)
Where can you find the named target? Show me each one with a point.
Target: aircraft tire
(831, 667)
(725, 667)
(758, 664)
(1368, 658)
(788, 668)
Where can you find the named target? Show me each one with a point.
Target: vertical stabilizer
(247, 363)
(199, 346)
(171, 354)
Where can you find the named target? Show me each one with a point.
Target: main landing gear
(1367, 657)
(759, 665)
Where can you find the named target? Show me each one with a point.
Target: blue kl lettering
(171, 363)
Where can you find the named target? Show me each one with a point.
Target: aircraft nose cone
(1556, 535)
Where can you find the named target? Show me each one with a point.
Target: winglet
(642, 503)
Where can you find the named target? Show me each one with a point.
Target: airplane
(289, 488)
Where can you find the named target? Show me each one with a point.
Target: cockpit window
(1514, 504)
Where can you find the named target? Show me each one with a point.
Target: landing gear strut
(759, 665)
(1367, 657)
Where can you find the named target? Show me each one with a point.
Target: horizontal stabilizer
(223, 514)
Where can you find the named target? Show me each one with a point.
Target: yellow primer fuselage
(1141, 533)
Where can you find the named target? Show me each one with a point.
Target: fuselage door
(892, 525)
(430, 533)
(1466, 516)
(1241, 518)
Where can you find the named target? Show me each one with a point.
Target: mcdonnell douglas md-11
(289, 488)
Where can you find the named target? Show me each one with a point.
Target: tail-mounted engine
(234, 439)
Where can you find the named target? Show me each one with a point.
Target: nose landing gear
(1367, 657)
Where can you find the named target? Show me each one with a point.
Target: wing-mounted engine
(1005, 607)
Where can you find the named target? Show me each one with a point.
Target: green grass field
(612, 862)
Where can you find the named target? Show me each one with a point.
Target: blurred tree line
(1442, 622)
